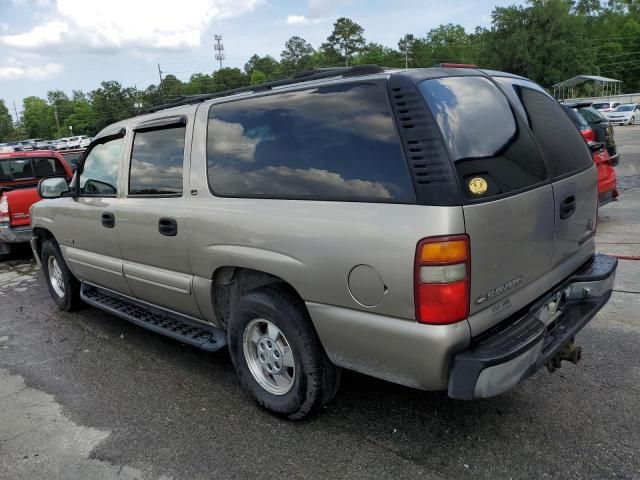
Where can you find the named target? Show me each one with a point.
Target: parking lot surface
(87, 395)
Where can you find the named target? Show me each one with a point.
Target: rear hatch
(529, 188)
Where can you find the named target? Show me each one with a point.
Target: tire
(63, 286)
(310, 383)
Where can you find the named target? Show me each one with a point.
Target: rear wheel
(63, 286)
(278, 356)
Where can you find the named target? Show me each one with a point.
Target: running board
(179, 327)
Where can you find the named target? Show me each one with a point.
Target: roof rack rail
(304, 76)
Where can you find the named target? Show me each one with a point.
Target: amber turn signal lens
(445, 251)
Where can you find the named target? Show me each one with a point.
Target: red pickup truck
(20, 173)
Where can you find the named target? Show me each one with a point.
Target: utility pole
(15, 109)
(55, 114)
(161, 84)
(406, 52)
(219, 48)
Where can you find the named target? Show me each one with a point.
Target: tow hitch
(570, 353)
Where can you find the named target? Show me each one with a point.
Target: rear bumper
(14, 235)
(504, 356)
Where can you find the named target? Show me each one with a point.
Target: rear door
(509, 202)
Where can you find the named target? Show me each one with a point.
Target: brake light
(588, 135)
(442, 277)
(5, 215)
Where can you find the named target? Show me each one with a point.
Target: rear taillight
(5, 215)
(442, 277)
(588, 135)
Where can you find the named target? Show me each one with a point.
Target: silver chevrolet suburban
(430, 227)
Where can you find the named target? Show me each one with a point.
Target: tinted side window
(484, 137)
(156, 162)
(99, 174)
(334, 142)
(47, 167)
(560, 141)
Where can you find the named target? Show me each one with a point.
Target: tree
(257, 77)
(37, 118)
(347, 39)
(228, 78)
(7, 130)
(297, 55)
(374, 53)
(268, 65)
(543, 40)
(110, 103)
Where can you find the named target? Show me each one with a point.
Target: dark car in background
(595, 128)
(607, 179)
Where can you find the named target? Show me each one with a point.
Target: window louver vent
(424, 148)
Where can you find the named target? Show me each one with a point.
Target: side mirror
(53, 187)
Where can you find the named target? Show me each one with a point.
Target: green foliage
(257, 77)
(545, 40)
(7, 130)
(38, 118)
(346, 39)
(296, 56)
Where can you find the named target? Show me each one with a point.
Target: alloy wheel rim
(55, 276)
(269, 356)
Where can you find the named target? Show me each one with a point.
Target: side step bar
(179, 327)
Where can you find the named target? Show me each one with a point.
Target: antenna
(219, 48)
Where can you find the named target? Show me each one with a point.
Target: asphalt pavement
(89, 396)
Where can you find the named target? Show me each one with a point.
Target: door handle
(168, 227)
(567, 207)
(108, 220)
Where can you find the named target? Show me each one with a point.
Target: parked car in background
(317, 239)
(606, 106)
(607, 188)
(627, 114)
(85, 141)
(595, 128)
(17, 146)
(61, 143)
(20, 173)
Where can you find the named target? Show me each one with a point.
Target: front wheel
(278, 356)
(63, 286)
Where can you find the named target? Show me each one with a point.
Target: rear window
(333, 142)
(601, 105)
(591, 115)
(564, 148)
(30, 167)
(485, 139)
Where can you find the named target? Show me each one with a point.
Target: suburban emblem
(499, 290)
(478, 185)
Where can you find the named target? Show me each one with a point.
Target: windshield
(624, 108)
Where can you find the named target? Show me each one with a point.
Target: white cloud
(296, 19)
(13, 69)
(138, 25)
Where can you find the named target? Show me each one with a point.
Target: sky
(76, 44)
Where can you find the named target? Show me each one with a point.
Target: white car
(85, 141)
(62, 144)
(627, 114)
(605, 107)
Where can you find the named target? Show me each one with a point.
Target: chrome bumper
(512, 351)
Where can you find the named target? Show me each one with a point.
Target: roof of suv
(327, 75)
